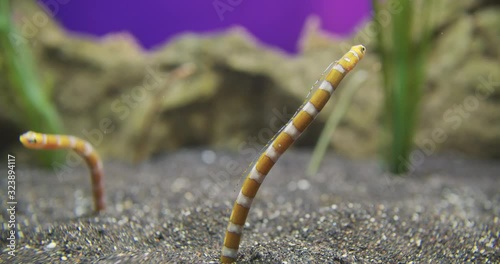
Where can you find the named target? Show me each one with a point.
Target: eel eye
(32, 140)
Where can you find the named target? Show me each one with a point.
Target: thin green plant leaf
(402, 50)
(35, 112)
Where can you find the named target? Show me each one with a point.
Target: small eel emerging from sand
(34, 140)
(284, 139)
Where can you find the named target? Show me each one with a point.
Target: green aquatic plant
(31, 107)
(402, 45)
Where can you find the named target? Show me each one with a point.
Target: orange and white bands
(34, 140)
(285, 138)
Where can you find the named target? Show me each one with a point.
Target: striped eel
(34, 140)
(284, 139)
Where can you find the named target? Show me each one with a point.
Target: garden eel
(34, 140)
(282, 140)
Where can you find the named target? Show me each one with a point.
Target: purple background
(152, 22)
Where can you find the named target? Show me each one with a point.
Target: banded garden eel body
(284, 139)
(35, 140)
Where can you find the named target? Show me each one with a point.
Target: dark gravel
(175, 209)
